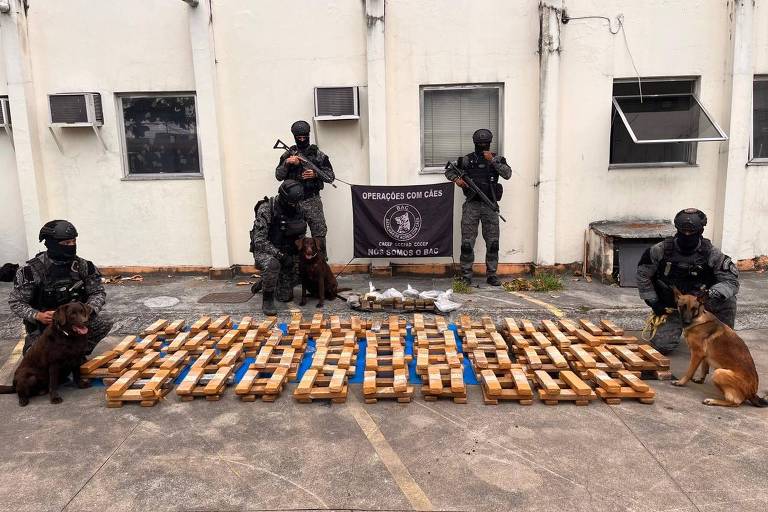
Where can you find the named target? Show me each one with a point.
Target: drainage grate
(226, 298)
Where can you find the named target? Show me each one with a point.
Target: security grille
(81, 109)
(333, 103)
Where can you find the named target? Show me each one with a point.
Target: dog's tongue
(82, 330)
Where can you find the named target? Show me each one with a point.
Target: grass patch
(540, 283)
(459, 286)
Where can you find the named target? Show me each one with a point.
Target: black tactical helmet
(291, 191)
(690, 220)
(482, 136)
(300, 128)
(57, 230)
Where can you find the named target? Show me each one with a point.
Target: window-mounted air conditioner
(5, 113)
(76, 109)
(336, 103)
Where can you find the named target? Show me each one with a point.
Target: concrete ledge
(221, 274)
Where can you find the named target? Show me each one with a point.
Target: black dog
(58, 352)
(8, 272)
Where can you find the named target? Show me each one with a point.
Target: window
(760, 120)
(660, 124)
(159, 132)
(449, 117)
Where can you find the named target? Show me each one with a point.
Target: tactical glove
(657, 307)
(714, 296)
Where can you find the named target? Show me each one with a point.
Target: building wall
(114, 50)
(13, 247)
(271, 54)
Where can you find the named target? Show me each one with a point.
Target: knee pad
(493, 246)
(273, 265)
(466, 247)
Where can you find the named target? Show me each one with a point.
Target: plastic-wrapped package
(444, 303)
(411, 293)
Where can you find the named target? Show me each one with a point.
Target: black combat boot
(493, 280)
(268, 303)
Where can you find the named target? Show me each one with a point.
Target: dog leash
(652, 324)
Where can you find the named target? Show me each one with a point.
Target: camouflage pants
(275, 278)
(668, 334)
(313, 210)
(473, 213)
(99, 326)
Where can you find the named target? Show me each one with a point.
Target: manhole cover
(161, 302)
(226, 297)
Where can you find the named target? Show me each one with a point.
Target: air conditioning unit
(76, 109)
(5, 113)
(337, 103)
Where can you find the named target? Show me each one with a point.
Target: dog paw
(678, 383)
(56, 399)
(84, 384)
(23, 402)
(303, 303)
(709, 401)
(319, 305)
(700, 380)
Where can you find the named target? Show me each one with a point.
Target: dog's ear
(60, 316)
(299, 243)
(702, 297)
(676, 293)
(88, 310)
(316, 243)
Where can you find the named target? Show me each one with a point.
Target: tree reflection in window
(160, 134)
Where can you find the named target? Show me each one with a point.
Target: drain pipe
(377, 92)
(549, 107)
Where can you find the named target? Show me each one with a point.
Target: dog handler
(691, 263)
(56, 277)
(280, 221)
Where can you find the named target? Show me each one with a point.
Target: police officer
(56, 277)
(484, 168)
(290, 167)
(279, 222)
(691, 263)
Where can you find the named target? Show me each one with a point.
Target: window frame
(694, 149)
(127, 176)
(752, 160)
(499, 86)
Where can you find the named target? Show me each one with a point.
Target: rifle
(306, 163)
(453, 173)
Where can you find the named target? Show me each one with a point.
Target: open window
(659, 122)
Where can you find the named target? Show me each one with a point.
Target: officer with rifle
(305, 163)
(54, 278)
(478, 175)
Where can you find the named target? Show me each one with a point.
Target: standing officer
(279, 223)
(691, 263)
(484, 168)
(56, 277)
(290, 167)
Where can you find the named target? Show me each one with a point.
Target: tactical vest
(315, 185)
(60, 284)
(486, 178)
(285, 229)
(689, 273)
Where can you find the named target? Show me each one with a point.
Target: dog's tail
(758, 401)
(7, 390)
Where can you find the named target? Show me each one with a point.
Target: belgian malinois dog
(713, 343)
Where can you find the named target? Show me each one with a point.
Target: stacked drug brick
(386, 364)
(438, 361)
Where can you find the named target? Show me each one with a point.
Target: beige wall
(270, 54)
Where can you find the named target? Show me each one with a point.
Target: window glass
(160, 134)
(760, 120)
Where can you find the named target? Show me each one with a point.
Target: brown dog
(58, 352)
(713, 343)
(314, 272)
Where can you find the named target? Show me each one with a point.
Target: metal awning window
(661, 118)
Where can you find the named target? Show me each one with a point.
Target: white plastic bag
(411, 292)
(444, 304)
(391, 294)
(431, 294)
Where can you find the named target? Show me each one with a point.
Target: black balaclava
(482, 139)
(301, 129)
(58, 252)
(690, 228)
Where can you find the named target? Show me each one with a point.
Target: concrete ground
(674, 455)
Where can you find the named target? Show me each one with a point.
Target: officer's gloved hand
(657, 307)
(714, 296)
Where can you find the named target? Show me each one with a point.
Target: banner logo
(402, 222)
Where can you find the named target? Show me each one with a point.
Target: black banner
(403, 222)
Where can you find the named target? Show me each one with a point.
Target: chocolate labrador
(314, 272)
(58, 352)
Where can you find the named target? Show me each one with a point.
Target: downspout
(739, 131)
(549, 108)
(377, 92)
